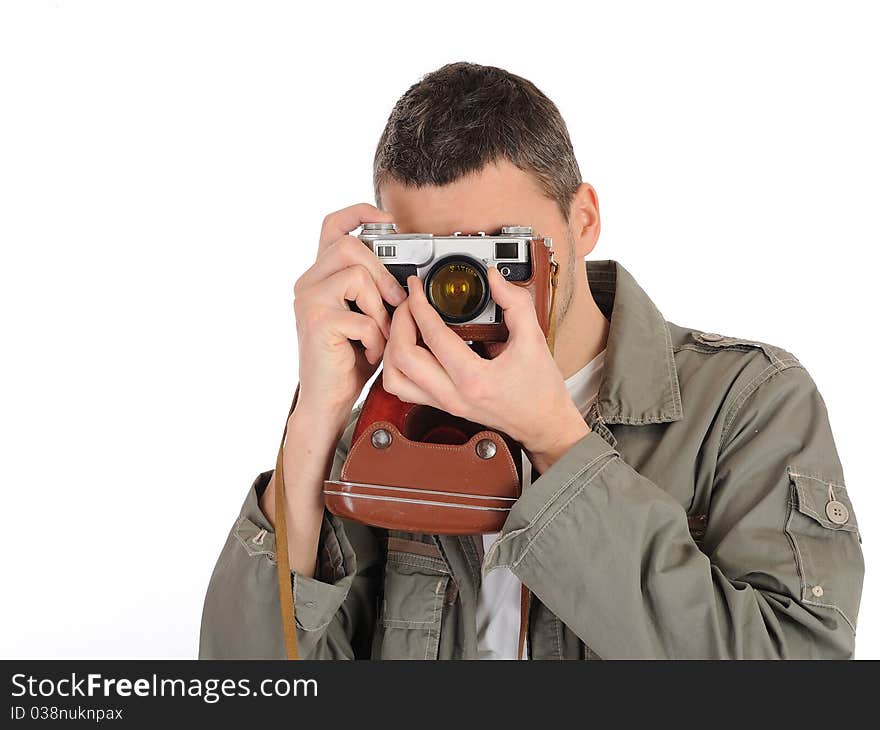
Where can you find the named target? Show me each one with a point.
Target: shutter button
(837, 512)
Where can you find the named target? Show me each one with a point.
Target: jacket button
(711, 337)
(818, 591)
(837, 512)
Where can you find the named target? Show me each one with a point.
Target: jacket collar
(639, 382)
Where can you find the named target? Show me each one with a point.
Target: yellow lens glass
(457, 290)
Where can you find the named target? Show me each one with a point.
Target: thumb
(519, 310)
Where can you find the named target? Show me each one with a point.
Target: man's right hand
(339, 350)
(333, 368)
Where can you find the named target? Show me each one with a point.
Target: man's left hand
(520, 391)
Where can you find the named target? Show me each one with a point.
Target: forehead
(500, 194)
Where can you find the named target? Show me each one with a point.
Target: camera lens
(458, 289)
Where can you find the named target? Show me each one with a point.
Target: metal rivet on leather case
(381, 439)
(486, 448)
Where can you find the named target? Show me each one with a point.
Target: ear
(583, 219)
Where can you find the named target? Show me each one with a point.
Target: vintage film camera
(454, 269)
(415, 468)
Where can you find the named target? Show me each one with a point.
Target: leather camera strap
(525, 594)
(285, 584)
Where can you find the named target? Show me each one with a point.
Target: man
(687, 500)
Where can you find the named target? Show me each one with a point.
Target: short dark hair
(459, 118)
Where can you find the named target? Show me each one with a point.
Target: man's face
(500, 194)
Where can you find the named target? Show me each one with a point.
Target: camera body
(454, 269)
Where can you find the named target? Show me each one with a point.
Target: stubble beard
(567, 289)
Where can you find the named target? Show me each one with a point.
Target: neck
(583, 331)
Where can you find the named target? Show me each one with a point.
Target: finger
(517, 304)
(403, 326)
(351, 251)
(452, 352)
(354, 284)
(342, 222)
(397, 383)
(360, 328)
(419, 365)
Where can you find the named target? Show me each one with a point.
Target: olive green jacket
(692, 522)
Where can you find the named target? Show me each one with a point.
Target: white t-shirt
(498, 605)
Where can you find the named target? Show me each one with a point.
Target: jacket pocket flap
(816, 498)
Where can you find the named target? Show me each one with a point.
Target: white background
(164, 169)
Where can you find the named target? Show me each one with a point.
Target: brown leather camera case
(425, 473)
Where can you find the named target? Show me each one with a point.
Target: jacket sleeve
(335, 610)
(610, 553)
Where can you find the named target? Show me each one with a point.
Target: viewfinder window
(506, 250)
